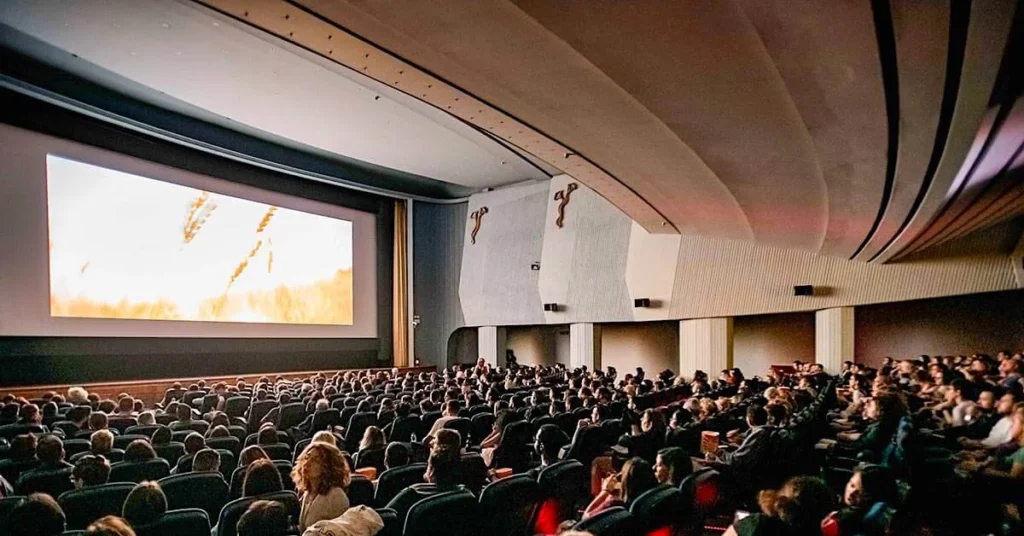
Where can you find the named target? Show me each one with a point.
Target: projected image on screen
(125, 246)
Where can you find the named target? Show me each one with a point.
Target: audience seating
(184, 522)
(513, 451)
(360, 491)
(170, 452)
(357, 426)
(205, 491)
(394, 480)
(616, 521)
(325, 420)
(659, 511)
(139, 471)
(232, 511)
(83, 506)
(285, 468)
(291, 415)
(7, 504)
(508, 506)
(392, 525)
(230, 444)
(52, 481)
(453, 513)
(74, 446)
(563, 486)
(121, 424)
(122, 441)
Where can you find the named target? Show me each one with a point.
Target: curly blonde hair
(334, 470)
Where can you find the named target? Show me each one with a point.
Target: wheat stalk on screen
(198, 212)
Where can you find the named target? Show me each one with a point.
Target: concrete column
(585, 346)
(491, 345)
(705, 344)
(833, 338)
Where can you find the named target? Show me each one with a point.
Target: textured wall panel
(650, 271)
(585, 346)
(589, 252)
(497, 285)
(833, 337)
(437, 261)
(718, 277)
(705, 344)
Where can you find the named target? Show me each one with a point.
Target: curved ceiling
(864, 130)
(246, 77)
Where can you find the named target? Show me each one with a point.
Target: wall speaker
(551, 307)
(642, 302)
(803, 290)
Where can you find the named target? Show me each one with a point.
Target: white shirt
(999, 434)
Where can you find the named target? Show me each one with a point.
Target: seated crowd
(528, 450)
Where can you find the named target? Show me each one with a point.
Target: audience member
(37, 515)
(90, 470)
(145, 504)
(321, 476)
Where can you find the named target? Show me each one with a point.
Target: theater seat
(446, 514)
(394, 480)
(291, 415)
(392, 525)
(483, 425)
(513, 451)
(370, 458)
(357, 425)
(508, 506)
(563, 485)
(228, 518)
(7, 504)
(206, 491)
(83, 506)
(615, 521)
(360, 491)
(464, 427)
(170, 452)
(325, 420)
(122, 441)
(52, 481)
(139, 471)
(74, 446)
(279, 451)
(186, 522)
(659, 511)
(231, 444)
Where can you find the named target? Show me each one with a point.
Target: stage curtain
(400, 314)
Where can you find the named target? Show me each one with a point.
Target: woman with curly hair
(796, 509)
(321, 476)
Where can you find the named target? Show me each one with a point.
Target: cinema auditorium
(511, 267)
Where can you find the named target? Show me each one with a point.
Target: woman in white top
(321, 476)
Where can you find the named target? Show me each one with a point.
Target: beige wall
(651, 345)
(947, 326)
(760, 341)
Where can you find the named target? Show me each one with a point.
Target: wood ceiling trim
(296, 25)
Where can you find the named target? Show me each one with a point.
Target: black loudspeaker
(803, 290)
(551, 307)
(642, 302)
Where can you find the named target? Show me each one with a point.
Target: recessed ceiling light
(165, 25)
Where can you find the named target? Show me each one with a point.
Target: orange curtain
(400, 299)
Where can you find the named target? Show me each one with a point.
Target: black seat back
(231, 444)
(232, 511)
(121, 424)
(236, 406)
(50, 481)
(278, 451)
(394, 480)
(154, 469)
(508, 506)
(206, 491)
(325, 420)
(357, 425)
(171, 452)
(453, 513)
(360, 491)
(184, 522)
(74, 446)
(83, 506)
(143, 430)
(403, 428)
(563, 485)
(122, 441)
(7, 505)
(290, 415)
(464, 427)
(483, 425)
(259, 409)
(513, 450)
(659, 509)
(373, 457)
(615, 521)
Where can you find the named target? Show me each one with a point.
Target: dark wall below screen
(52, 360)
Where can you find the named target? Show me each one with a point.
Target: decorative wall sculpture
(563, 196)
(478, 216)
